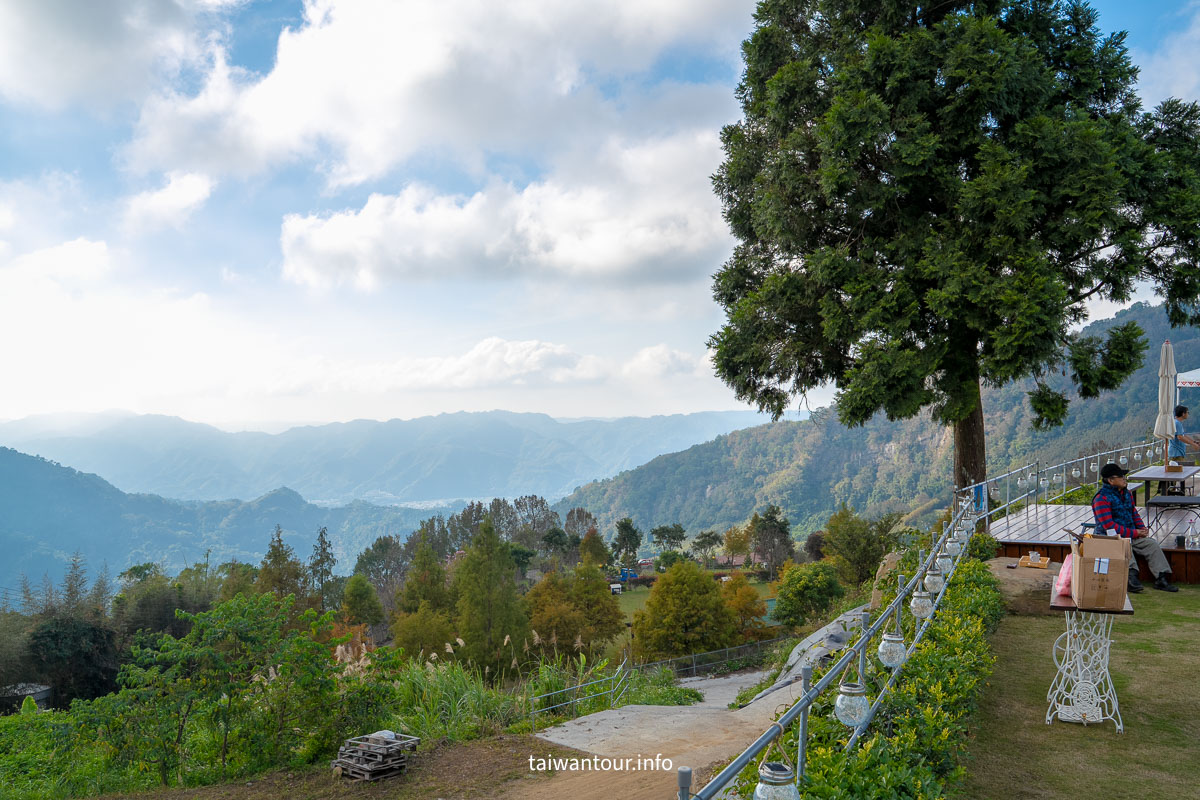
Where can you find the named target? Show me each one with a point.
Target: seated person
(1115, 513)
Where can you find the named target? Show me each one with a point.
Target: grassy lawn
(1014, 754)
(632, 600)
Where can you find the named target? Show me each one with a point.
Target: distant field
(632, 600)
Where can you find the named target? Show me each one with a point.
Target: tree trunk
(970, 454)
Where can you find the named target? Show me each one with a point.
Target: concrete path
(694, 736)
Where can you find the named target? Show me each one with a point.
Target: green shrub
(914, 744)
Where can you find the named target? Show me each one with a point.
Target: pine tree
(360, 603)
(280, 571)
(320, 567)
(491, 617)
(74, 586)
(603, 619)
(426, 581)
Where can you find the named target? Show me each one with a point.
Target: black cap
(1112, 471)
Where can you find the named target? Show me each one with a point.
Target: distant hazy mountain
(48, 511)
(463, 455)
(808, 468)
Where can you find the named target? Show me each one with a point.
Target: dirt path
(696, 736)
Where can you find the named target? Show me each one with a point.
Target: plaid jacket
(1114, 510)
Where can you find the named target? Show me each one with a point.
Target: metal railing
(697, 663)
(617, 683)
(1036, 485)
(954, 537)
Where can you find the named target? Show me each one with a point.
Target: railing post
(862, 653)
(685, 783)
(802, 731)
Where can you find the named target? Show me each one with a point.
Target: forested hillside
(48, 511)
(464, 455)
(810, 467)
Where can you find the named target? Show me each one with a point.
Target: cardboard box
(1100, 573)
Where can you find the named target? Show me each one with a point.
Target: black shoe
(1162, 584)
(1135, 585)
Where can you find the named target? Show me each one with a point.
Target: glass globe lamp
(1044, 482)
(1137, 455)
(934, 580)
(776, 781)
(1094, 466)
(953, 547)
(1123, 460)
(1149, 453)
(1075, 473)
(851, 705)
(1058, 477)
(921, 606)
(1158, 449)
(944, 561)
(892, 651)
(1020, 483)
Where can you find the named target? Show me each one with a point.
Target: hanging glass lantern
(1124, 459)
(1137, 455)
(851, 705)
(776, 781)
(944, 562)
(1058, 477)
(1095, 466)
(1075, 472)
(953, 546)
(1020, 483)
(934, 580)
(892, 651)
(1149, 453)
(1158, 449)
(1044, 482)
(921, 606)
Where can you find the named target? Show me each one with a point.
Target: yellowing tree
(747, 607)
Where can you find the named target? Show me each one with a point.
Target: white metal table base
(1082, 690)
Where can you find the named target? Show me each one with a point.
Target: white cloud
(57, 52)
(1173, 68)
(661, 361)
(643, 211)
(65, 264)
(170, 205)
(370, 83)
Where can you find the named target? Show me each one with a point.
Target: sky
(255, 213)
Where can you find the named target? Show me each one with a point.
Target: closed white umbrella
(1164, 423)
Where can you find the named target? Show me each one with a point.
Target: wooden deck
(1041, 528)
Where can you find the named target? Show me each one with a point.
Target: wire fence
(702, 663)
(612, 686)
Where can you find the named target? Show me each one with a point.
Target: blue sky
(247, 212)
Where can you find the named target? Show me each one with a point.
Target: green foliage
(360, 604)
(426, 581)
(423, 632)
(805, 592)
(280, 571)
(861, 542)
(771, 538)
(603, 619)
(926, 198)
(914, 745)
(669, 537)
(28, 706)
(76, 657)
(706, 543)
(627, 540)
(320, 570)
(982, 546)
(668, 559)
(491, 618)
(684, 614)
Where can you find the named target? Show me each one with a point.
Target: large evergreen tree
(491, 618)
(925, 197)
(320, 567)
(684, 614)
(426, 582)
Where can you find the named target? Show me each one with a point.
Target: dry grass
(479, 769)
(1014, 755)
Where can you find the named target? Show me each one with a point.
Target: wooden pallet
(372, 758)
